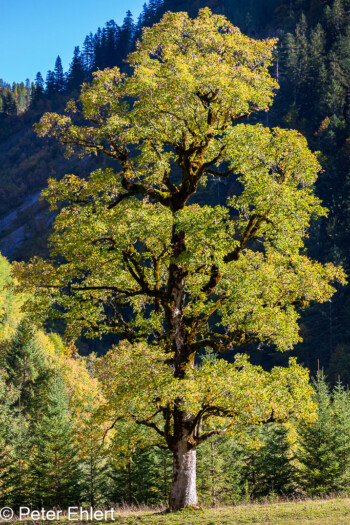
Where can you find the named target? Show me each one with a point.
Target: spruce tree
(76, 74)
(111, 33)
(297, 59)
(50, 83)
(273, 464)
(320, 450)
(93, 459)
(98, 50)
(38, 91)
(125, 38)
(59, 76)
(341, 411)
(27, 374)
(88, 54)
(220, 464)
(54, 461)
(140, 476)
(26, 366)
(15, 463)
(9, 103)
(8, 422)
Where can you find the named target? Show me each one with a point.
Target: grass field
(316, 512)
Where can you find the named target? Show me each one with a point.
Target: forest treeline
(57, 450)
(312, 67)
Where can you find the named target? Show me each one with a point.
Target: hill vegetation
(53, 443)
(312, 66)
(55, 464)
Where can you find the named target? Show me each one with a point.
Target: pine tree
(220, 464)
(76, 74)
(336, 89)
(38, 92)
(8, 422)
(140, 476)
(88, 56)
(50, 83)
(26, 366)
(111, 35)
(98, 50)
(59, 76)
(121, 476)
(15, 462)
(317, 73)
(297, 59)
(9, 106)
(54, 461)
(93, 459)
(320, 450)
(142, 21)
(273, 465)
(125, 38)
(335, 18)
(341, 409)
(27, 374)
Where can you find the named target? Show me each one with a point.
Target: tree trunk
(183, 491)
(183, 488)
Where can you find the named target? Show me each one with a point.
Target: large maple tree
(135, 255)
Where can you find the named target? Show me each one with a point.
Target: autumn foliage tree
(133, 253)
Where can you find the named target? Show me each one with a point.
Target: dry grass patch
(308, 512)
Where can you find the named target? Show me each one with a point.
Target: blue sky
(34, 32)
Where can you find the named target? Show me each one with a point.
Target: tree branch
(148, 423)
(218, 173)
(252, 227)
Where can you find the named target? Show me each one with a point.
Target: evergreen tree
(38, 93)
(54, 461)
(111, 35)
(336, 90)
(297, 59)
(8, 422)
(15, 462)
(88, 55)
(26, 366)
(28, 375)
(320, 450)
(273, 464)
(76, 74)
(93, 456)
(50, 83)
(316, 73)
(140, 476)
(9, 106)
(59, 77)
(341, 410)
(220, 464)
(125, 38)
(335, 19)
(98, 50)
(142, 21)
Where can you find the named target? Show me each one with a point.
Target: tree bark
(182, 443)
(183, 489)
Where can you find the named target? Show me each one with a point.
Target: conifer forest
(174, 257)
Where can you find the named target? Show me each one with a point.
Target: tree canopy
(136, 252)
